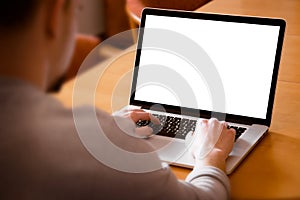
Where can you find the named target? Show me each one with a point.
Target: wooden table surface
(272, 169)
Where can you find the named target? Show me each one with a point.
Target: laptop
(191, 66)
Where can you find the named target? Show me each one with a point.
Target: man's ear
(54, 17)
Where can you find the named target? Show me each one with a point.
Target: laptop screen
(206, 64)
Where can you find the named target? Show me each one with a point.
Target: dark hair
(16, 12)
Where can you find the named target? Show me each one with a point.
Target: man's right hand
(220, 139)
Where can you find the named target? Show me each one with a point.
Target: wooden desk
(271, 171)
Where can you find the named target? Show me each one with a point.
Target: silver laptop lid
(208, 65)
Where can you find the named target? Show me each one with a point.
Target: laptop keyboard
(239, 131)
(178, 127)
(170, 126)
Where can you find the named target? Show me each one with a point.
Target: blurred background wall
(103, 17)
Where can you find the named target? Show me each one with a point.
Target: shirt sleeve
(202, 183)
(211, 182)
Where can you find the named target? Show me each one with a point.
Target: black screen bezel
(217, 17)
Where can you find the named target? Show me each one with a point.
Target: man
(41, 154)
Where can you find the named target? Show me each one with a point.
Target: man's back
(41, 153)
(42, 157)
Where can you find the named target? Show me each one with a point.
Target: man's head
(14, 13)
(37, 39)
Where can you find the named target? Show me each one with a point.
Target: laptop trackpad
(171, 149)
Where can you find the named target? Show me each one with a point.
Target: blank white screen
(243, 54)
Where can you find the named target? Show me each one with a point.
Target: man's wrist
(215, 158)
